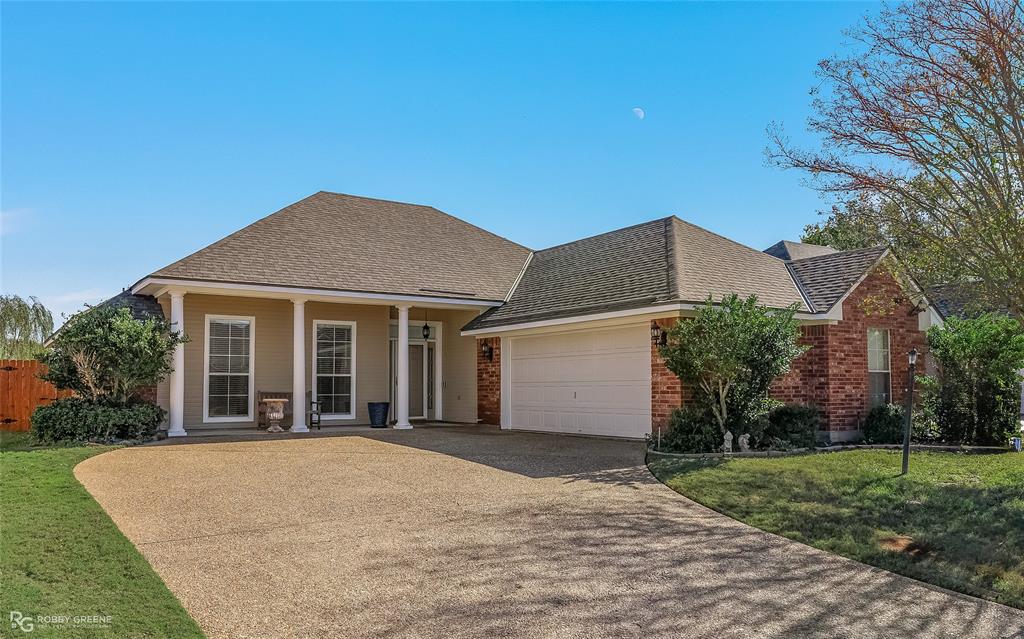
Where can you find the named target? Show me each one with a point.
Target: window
(229, 365)
(879, 386)
(334, 367)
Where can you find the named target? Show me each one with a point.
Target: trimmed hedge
(884, 425)
(73, 419)
(792, 426)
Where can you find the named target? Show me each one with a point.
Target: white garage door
(591, 382)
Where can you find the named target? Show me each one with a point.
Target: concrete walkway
(466, 532)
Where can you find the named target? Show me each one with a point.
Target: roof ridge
(719, 235)
(866, 249)
(425, 206)
(591, 237)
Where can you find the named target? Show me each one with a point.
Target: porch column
(176, 414)
(299, 366)
(402, 357)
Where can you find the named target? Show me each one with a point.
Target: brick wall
(488, 382)
(666, 390)
(848, 348)
(833, 373)
(146, 393)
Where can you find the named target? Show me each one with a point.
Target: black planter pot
(378, 413)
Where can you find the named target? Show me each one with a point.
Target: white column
(402, 392)
(176, 417)
(299, 366)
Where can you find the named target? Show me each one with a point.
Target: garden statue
(744, 442)
(727, 445)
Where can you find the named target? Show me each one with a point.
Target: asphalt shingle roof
(666, 260)
(786, 250)
(825, 279)
(143, 307)
(343, 242)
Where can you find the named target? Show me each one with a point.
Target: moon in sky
(639, 113)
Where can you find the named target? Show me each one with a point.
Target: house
(349, 300)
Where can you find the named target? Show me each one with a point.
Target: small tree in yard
(975, 396)
(105, 354)
(730, 353)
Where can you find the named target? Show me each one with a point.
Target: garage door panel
(590, 382)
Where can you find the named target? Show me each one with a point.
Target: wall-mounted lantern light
(488, 351)
(658, 335)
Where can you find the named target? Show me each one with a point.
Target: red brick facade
(833, 373)
(488, 382)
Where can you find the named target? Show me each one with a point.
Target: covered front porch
(342, 350)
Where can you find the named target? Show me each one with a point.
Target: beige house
(351, 300)
(344, 300)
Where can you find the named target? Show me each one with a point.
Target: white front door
(595, 382)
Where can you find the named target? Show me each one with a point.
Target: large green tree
(24, 324)
(923, 123)
(730, 353)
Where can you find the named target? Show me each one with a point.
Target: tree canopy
(923, 125)
(24, 325)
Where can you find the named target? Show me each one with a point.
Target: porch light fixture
(658, 335)
(426, 326)
(488, 351)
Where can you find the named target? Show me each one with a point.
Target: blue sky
(136, 133)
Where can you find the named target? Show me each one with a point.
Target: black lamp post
(912, 359)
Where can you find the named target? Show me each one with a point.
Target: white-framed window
(228, 365)
(334, 368)
(879, 371)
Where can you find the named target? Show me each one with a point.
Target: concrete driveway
(466, 532)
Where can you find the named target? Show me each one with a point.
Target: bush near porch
(954, 521)
(104, 356)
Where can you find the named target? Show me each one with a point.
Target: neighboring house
(355, 300)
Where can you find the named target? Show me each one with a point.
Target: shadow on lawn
(966, 538)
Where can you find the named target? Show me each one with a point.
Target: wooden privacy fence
(21, 391)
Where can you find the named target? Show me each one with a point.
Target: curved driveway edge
(466, 532)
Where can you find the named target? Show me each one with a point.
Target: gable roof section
(826, 279)
(786, 250)
(342, 242)
(661, 261)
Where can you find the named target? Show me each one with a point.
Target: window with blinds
(334, 369)
(879, 374)
(229, 361)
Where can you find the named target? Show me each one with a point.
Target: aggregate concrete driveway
(452, 532)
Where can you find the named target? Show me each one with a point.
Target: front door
(422, 376)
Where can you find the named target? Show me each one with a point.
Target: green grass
(60, 554)
(955, 520)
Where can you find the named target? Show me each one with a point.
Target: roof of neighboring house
(342, 242)
(666, 260)
(962, 300)
(786, 250)
(143, 307)
(825, 279)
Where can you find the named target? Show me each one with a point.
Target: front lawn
(955, 521)
(61, 555)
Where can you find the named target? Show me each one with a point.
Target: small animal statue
(744, 442)
(727, 444)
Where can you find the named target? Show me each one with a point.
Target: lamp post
(912, 359)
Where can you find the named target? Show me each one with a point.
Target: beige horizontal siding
(272, 362)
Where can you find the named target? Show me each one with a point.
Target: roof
(825, 279)
(786, 250)
(143, 307)
(342, 242)
(666, 260)
(962, 300)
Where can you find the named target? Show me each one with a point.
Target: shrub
(73, 419)
(975, 396)
(104, 354)
(884, 425)
(792, 426)
(730, 353)
(692, 430)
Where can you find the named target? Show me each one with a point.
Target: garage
(594, 382)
